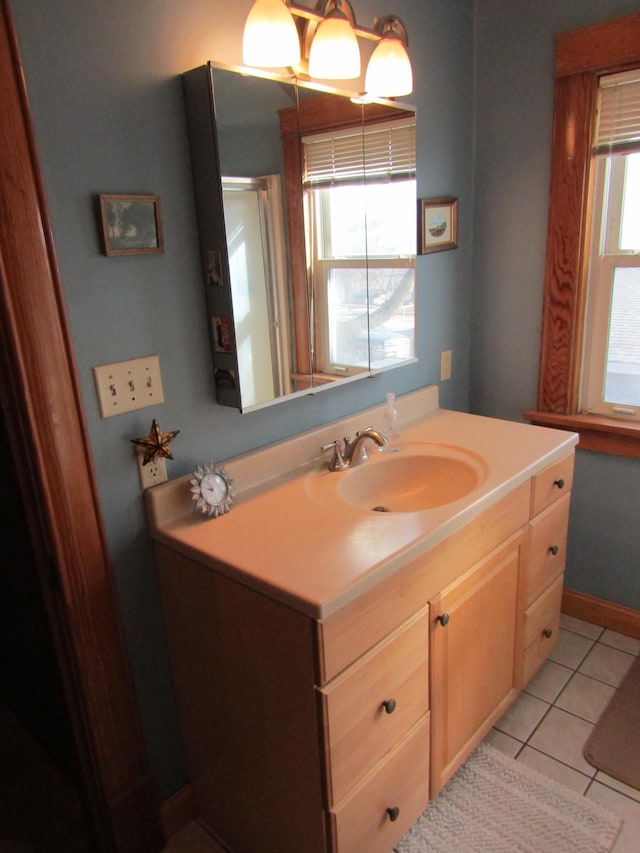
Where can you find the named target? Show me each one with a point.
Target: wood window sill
(603, 435)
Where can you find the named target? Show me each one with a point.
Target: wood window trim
(582, 56)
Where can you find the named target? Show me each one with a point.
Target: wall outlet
(445, 365)
(153, 472)
(128, 385)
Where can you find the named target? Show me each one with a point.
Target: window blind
(382, 151)
(618, 114)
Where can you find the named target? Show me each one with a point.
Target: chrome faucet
(349, 453)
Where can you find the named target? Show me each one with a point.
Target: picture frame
(131, 224)
(438, 224)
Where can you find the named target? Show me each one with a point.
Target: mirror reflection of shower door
(256, 251)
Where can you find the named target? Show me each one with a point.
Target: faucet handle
(337, 462)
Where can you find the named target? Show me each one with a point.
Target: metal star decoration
(156, 444)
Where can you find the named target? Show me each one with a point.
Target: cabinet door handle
(547, 633)
(389, 705)
(393, 813)
(559, 483)
(553, 549)
(443, 619)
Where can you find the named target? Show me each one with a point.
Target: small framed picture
(131, 224)
(438, 218)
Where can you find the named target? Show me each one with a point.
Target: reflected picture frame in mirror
(275, 332)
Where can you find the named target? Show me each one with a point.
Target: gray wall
(514, 112)
(105, 92)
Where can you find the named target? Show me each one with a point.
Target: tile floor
(547, 726)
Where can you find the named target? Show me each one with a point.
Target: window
(359, 205)
(358, 278)
(610, 377)
(582, 183)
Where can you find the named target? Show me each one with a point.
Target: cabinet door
(473, 641)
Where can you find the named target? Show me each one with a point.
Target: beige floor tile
(617, 785)
(607, 664)
(562, 736)
(585, 697)
(505, 743)
(522, 717)
(548, 682)
(628, 810)
(621, 641)
(566, 776)
(579, 626)
(571, 649)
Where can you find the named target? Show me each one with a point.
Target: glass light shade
(389, 73)
(335, 53)
(270, 38)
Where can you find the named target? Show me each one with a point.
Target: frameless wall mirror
(306, 207)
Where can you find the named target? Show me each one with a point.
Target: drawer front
(547, 548)
(551, 483)
(371, 705)
(541, 628)
(361, 823)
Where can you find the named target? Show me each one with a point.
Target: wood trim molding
(604, 435)
(48, 438)
(581, 57)
(616, 617)
(604, 48)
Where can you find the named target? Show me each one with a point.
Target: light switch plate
(445, 365)
(127, 385)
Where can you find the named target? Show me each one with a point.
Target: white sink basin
(419, 477)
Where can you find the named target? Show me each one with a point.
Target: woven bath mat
(614, 744)
(495, 804)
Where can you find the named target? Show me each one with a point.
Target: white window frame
(605, 258)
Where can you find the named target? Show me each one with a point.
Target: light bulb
(334, 54)
(270, 38)
(389, 73)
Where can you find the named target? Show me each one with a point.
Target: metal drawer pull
(393, 813)
(389, 705)
(553, 549)
(443, 619)
(559, 483)
(547, 633)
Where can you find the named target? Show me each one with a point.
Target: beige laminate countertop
(278, 539)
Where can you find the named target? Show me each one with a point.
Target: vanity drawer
(549, 484)
(361, 822)
(547, 548)
(541, 628)
(371, 705)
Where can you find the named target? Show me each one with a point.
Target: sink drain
(381, 509)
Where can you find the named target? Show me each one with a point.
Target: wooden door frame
(48, 436)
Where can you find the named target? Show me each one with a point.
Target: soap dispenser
(391, 424)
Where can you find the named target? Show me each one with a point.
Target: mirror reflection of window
(256, 249)
(359, 198)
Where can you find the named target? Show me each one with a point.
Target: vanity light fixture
(270, 38)
(389, 72)
(327, 45)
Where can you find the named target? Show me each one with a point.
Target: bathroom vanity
(334, 664)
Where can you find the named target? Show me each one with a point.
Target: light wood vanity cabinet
(544, 567)
(474, 628)
(331, 735)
